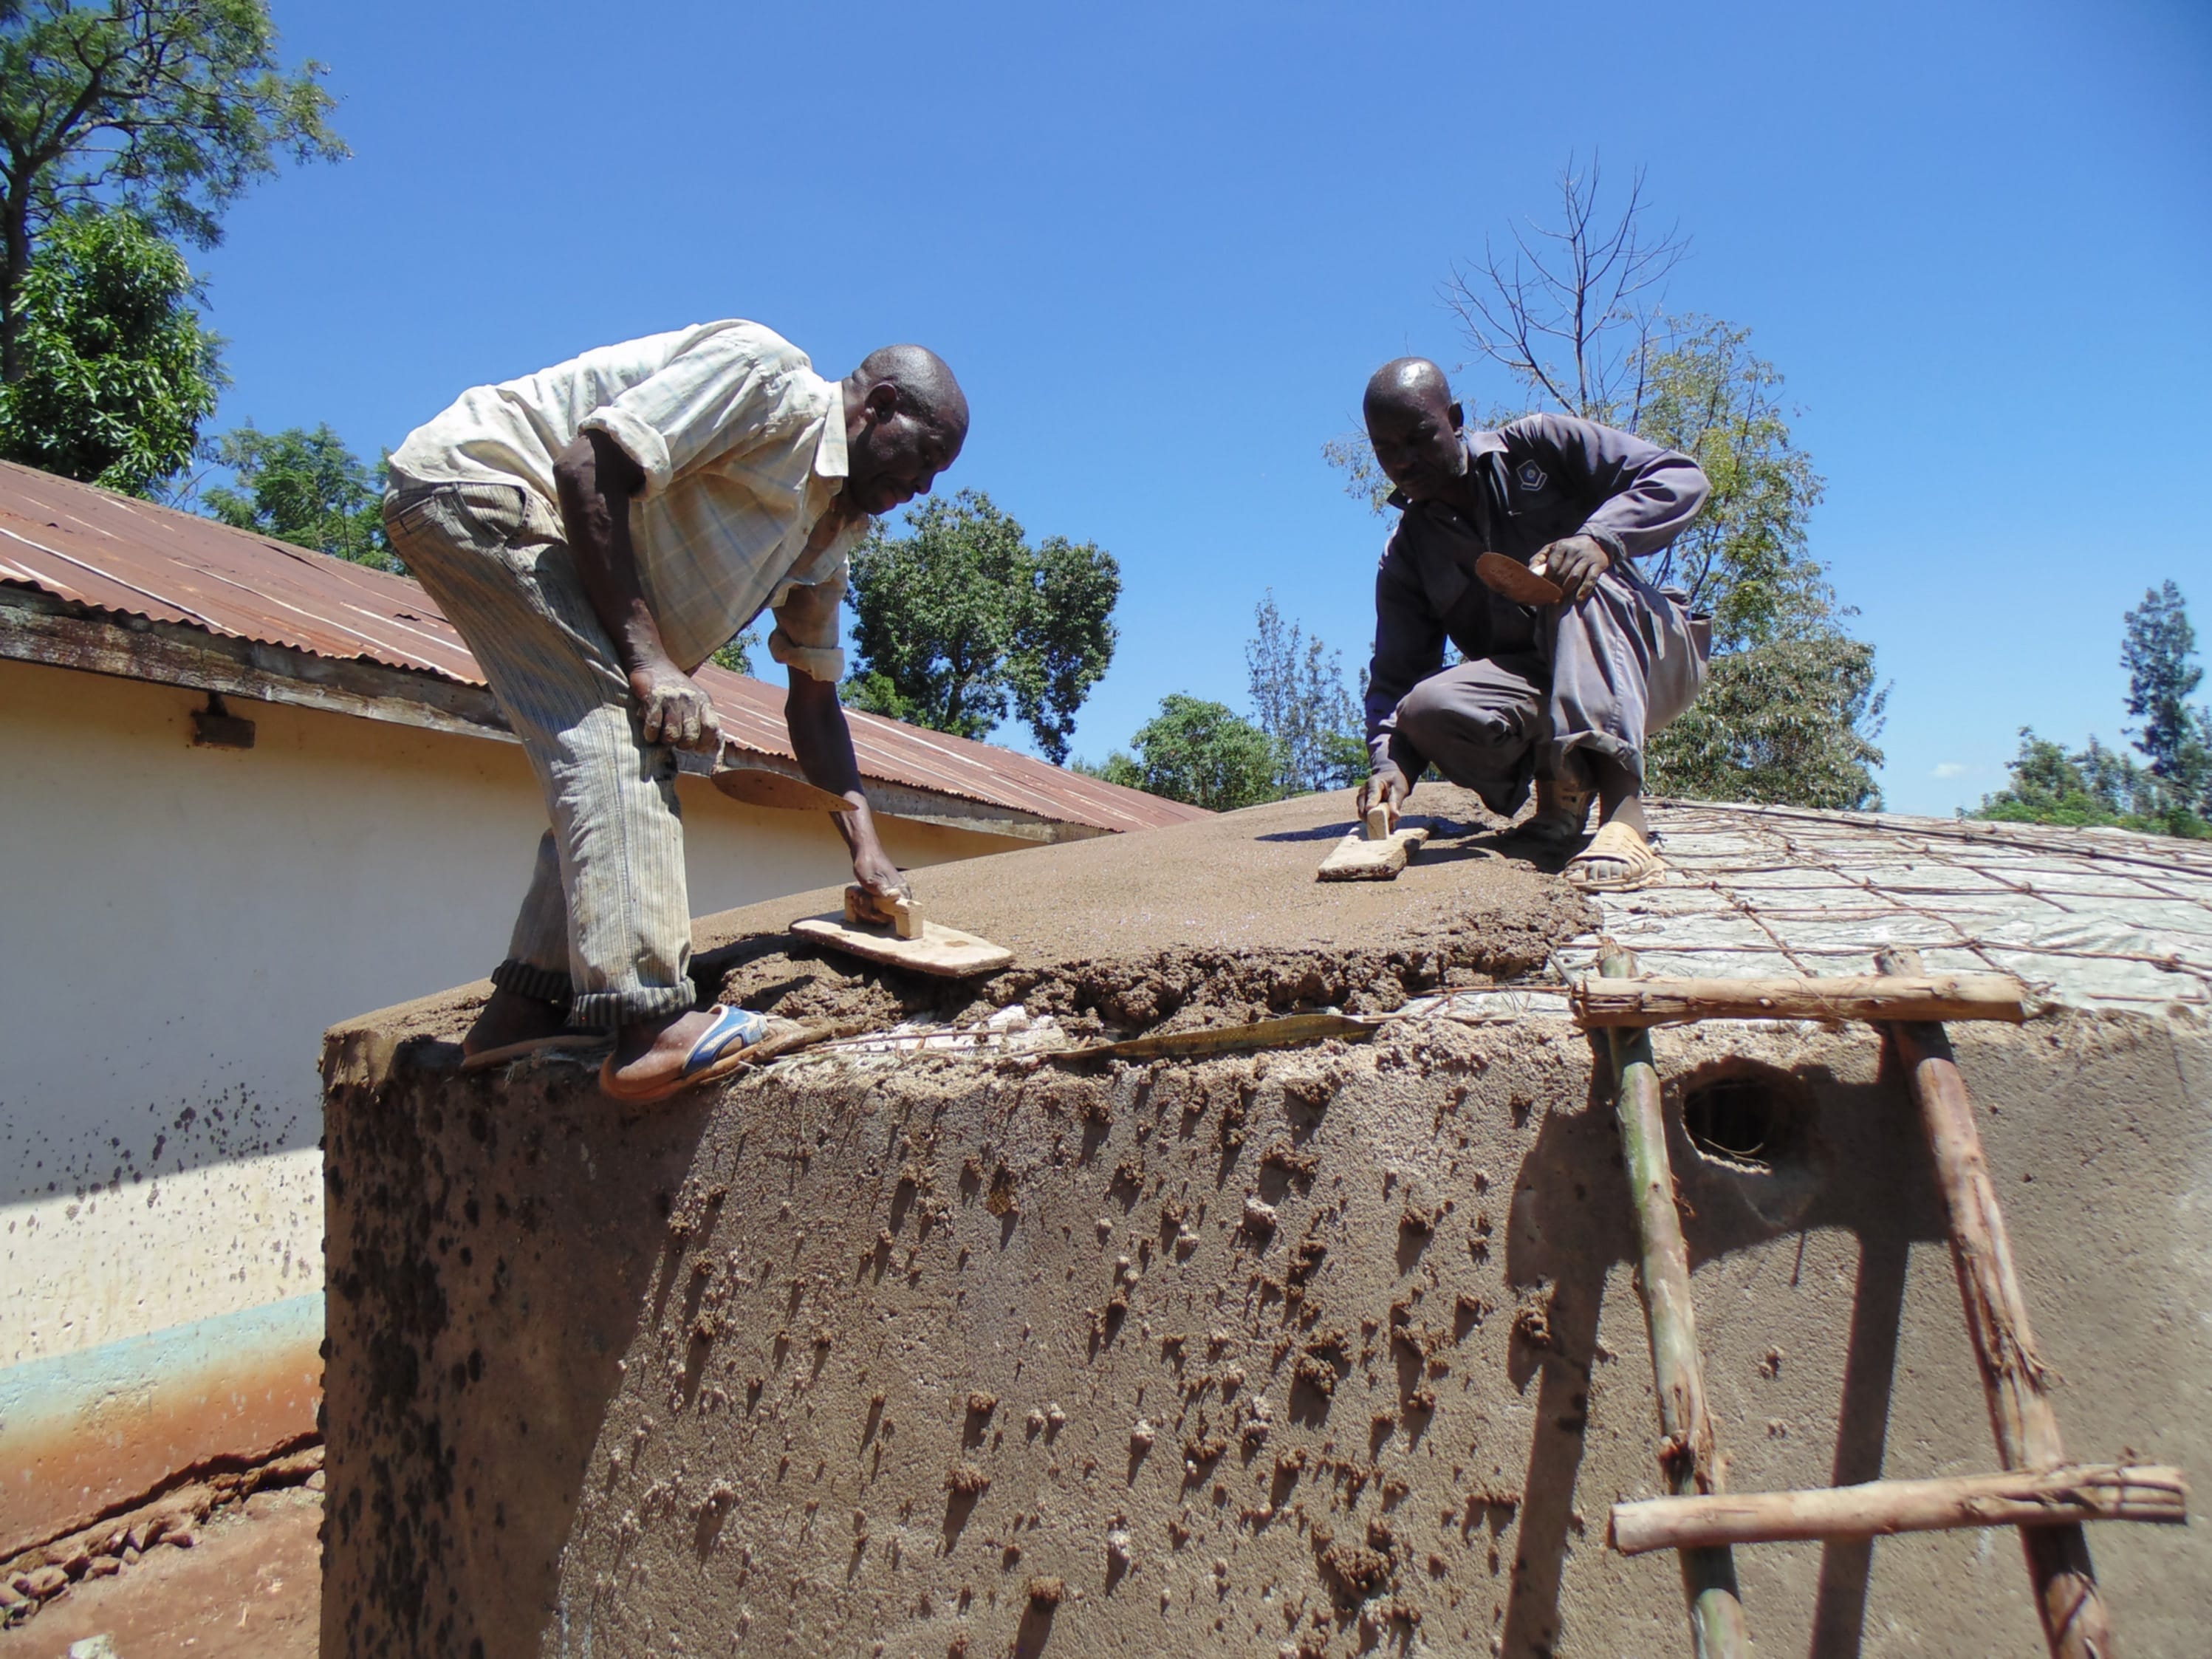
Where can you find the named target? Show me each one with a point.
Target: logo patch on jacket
(1531, 475)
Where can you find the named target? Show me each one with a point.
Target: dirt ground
(250, 1588)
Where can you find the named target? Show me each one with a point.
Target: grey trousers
(605, 925)
(1607, 673)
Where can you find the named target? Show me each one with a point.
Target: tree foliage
(2095, 786)
(118, 372)
(737, 655)
(1200, 752)
(170, 107)
(1745, 561)
(2172, 794)
(960, 620)
(305, 487)
(1299, 697)
(2158, 650)
(1792, 721)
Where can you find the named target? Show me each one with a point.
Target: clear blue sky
(1164, 245)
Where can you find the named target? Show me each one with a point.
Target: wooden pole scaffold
(1685, 1430)
(2075, 1622)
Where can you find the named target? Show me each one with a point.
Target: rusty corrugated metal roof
(112, 553)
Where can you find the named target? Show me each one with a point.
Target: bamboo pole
(2018, 1497)
(1868, 997)
(2075, 1622)
(1717, 1626)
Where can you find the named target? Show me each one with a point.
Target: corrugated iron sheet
(131, 557)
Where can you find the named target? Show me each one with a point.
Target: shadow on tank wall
(1759, 1152)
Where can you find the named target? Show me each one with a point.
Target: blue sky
(1164, 245)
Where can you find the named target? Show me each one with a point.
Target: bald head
(923, 381)
(1405, 382)
(905, 421)
(1414, 427)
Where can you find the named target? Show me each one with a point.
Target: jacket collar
(1477, 444)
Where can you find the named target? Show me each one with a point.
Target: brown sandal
(1615, 844)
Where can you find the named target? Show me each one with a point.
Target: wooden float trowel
(894, 932)
(1523, 584)
(1378, 851)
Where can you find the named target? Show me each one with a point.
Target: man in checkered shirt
(595, 531)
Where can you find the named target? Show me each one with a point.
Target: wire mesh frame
(1896, 869)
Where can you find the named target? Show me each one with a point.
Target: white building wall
(178, 925)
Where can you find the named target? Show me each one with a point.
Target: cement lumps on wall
(1312, 1352)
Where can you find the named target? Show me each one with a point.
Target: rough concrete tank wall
(1313, 1352)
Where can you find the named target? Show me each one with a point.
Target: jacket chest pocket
(1544, 517)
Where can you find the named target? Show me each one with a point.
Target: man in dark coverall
(1563, 695)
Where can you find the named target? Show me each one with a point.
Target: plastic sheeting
(2092, 919)
(2085, 918)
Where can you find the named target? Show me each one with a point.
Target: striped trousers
(606, 924)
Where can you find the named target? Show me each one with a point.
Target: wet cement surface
(1206, 923)
(1203, 924)
(1329, 1352)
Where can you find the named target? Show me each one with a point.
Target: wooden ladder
(2037, 1491)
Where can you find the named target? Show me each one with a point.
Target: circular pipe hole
(1746, 1115)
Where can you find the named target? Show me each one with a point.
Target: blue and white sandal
(720, 1049)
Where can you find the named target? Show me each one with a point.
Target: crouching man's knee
(1437, 724)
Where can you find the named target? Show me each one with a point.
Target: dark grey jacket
(1536, 481)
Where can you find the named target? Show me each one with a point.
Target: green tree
(171, 107)
(960, 620)
(1299, 696)
(1791, 721)
(737, 655)
(1199, 753)
(2095, 786)
(305, 487)
(1746, 561)
(2159, 651)
(2171, 795)
(118, 372)
(2049, 786)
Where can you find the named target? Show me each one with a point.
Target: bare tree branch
(1588, 290)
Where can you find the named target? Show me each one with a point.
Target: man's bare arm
(596, 481)
(823, 745)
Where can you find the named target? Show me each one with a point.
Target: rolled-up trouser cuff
(604, 1008)
(1571, 768)
(546, 984)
